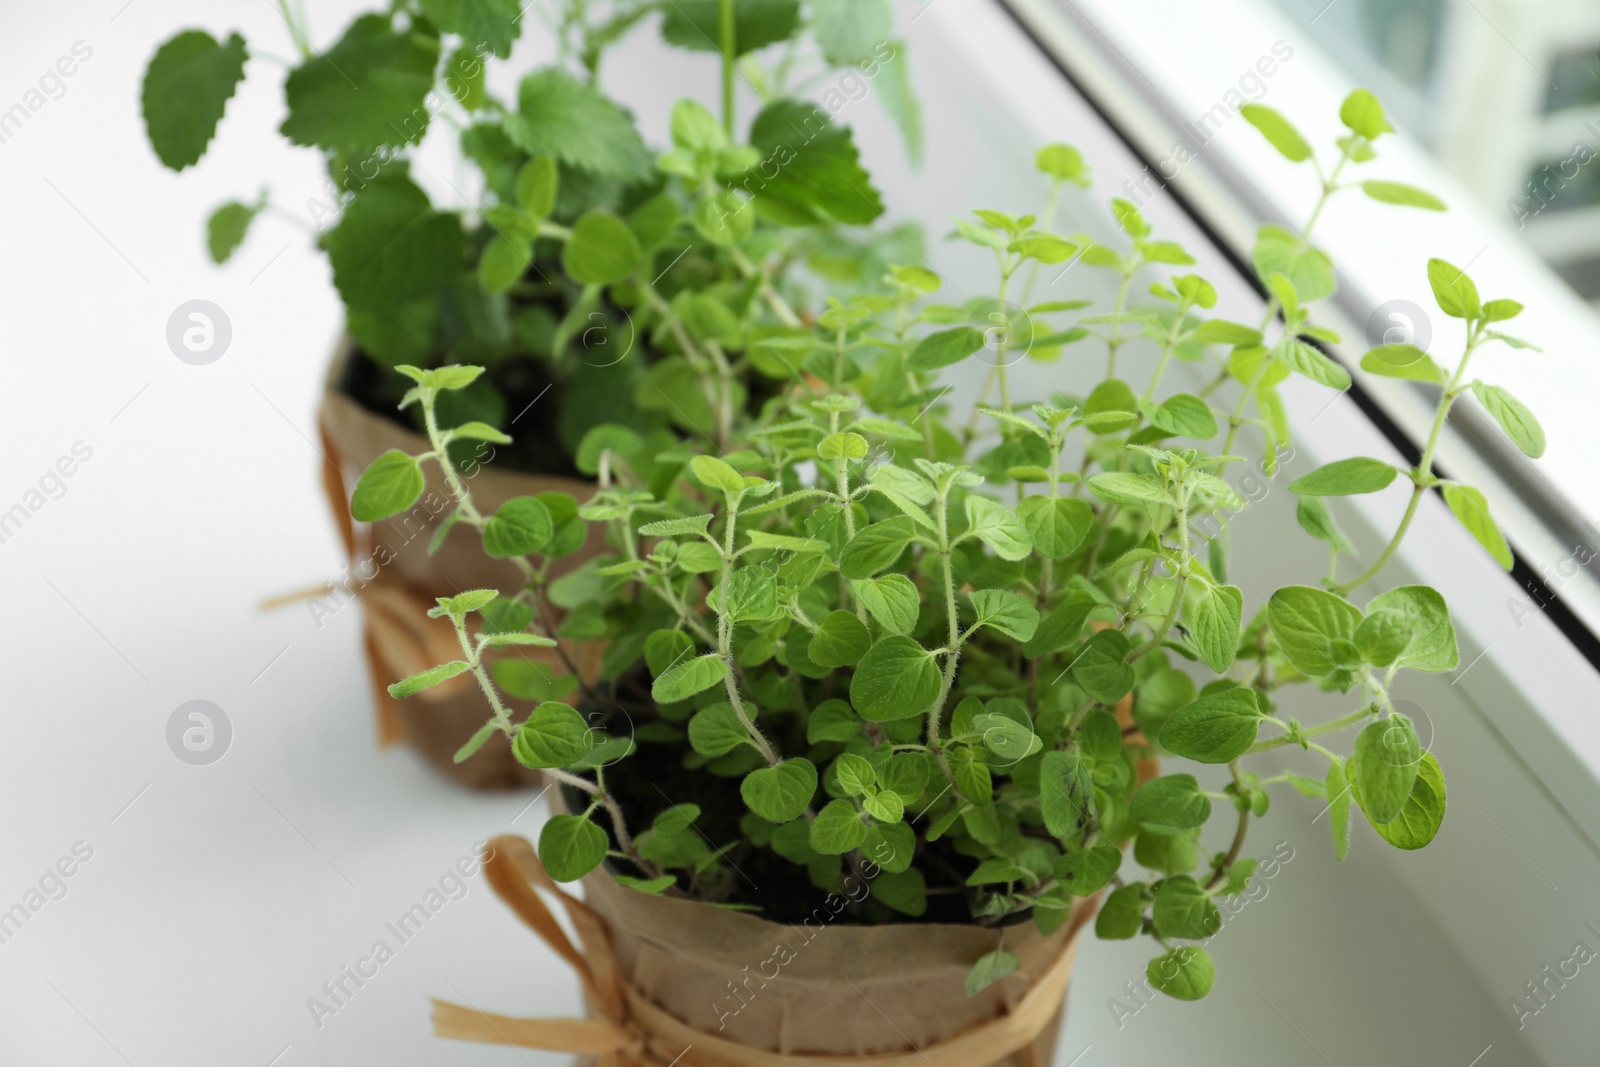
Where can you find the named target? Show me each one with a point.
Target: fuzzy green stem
(729, 45)
(1422, 476)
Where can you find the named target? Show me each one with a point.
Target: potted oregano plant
(883, 689)
(519, 270)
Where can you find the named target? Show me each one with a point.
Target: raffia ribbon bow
(627, 1030)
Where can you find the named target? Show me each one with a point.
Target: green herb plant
(555, 196)
(943, 655)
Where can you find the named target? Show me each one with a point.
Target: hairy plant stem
(1171, 617)
(1422, 476)
(952, 648)
(1234, 849)
(1236, 420)
(1114, 341)
(725, 639)
(502, 715)
(1329, 727)
(729, 45)
(1166, 354)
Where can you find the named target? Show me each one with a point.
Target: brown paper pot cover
(823, 987)
(398, 581)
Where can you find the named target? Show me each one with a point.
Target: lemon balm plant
(866, 639)
(471, 272)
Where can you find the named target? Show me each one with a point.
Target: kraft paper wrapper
(400, 639)
(672, 981)
(845, 990)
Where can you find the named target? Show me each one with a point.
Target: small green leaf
(780, 793)
(1174, 801)
(1471, 509)
(1100, 668)
(1185, 973)
(1006, 737)
(560, 116)
(890, 845)
(1121, 915)
(1085, 871)
(905, 892)
(1403, 361)
(995, 871)
(875, 547)
(1278, 131)
(1363, 115)
(553, 736)
(905, 774)
(1217, 728)
(885, 807)
(1061, 627)
(1305, 360)
(998, 527)
(1183, 909)
(1057, 525)
(892, 601)
(1133, 490)
(714, 473)
(570, 846)
(1061, 161)
(521, 527)
(186, 89)
(694, 524)
(840, 641)
(1513, 416)
(477, 741)
(1184, 415)
(226, 229)
(675, 820)
(1423, 813)
(1066, 793)
(1346, 477)
(1223, 332)
(1404, 195)
(536, 186)
(1010, 613)
(368, 90)
(480, 431)
(944, 348)
(1307, 621)
(653, 886)
(389, 486)
(427, 679)
(837, 829)
(601, 250)
(1212, 614)
(1337, 789)
(716, 730)
(688, 678)
(1432, 646)
(1307, 268)
(856, 776)
(896, 679)
(990, 968)
(1386, 758)
(1454, 291)
(724, 219)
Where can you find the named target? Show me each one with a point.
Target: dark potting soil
(654, 779)
(536, 446)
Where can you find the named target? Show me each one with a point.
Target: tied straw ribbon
(630, 1031)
